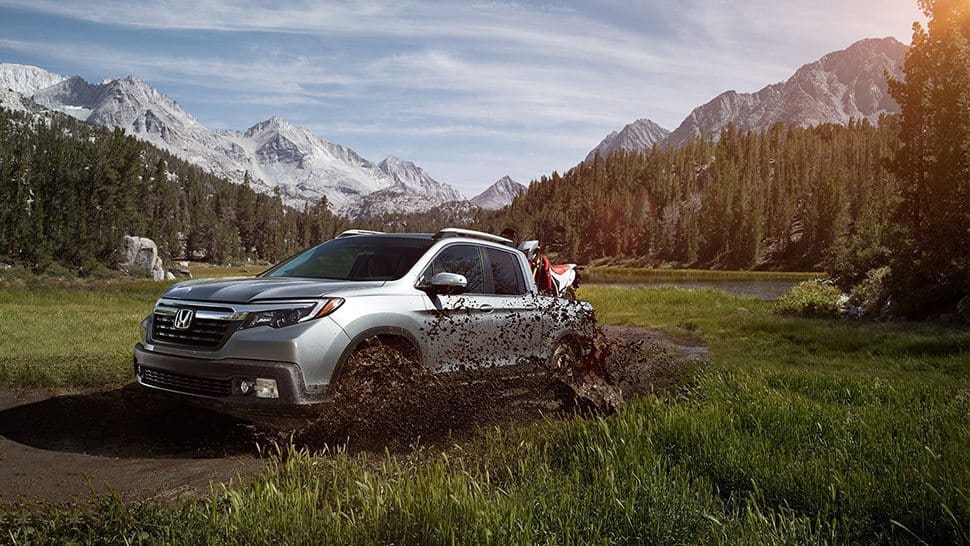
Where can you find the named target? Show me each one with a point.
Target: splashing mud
(383, 399)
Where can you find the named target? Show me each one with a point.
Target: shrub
(872, 293)
(811, 299)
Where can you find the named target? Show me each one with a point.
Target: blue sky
(470, 91)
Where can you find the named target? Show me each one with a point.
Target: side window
(506, 272)
(462, 259)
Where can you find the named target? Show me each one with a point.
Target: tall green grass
(68, 332)
(796, 431)
(71, 336)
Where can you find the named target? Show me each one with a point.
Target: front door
(457, 330)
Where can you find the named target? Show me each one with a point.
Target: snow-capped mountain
(277, 154)
(413, 190)
(499, 194)
(148, 114)
(306, 167)
(640, 135)
(19, 81)
(25, 79)
(842, 85)
(410, 178)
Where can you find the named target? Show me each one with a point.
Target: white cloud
(493, 75)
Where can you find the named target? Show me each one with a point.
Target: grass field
(77, 332)
(604, 274)
(796, 431)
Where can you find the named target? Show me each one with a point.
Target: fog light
(245, 386)
(266, 388)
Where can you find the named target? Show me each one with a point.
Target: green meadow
(794, 431)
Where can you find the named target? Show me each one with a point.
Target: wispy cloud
(537, 85)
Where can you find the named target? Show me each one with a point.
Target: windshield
(355, 259)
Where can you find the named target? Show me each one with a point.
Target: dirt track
(57, 447)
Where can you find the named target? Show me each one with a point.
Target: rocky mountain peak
(499, 194)
(642, 134)
(275, 124)
(394, 163)
(408, 177)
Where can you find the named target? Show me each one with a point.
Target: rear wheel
(569, 294)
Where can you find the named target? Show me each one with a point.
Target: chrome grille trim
(201, 333)
(213, 323)
(165, 379)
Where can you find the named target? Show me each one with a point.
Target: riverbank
(611, 274)
(765, 285)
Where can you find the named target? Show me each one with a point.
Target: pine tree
(931, 262)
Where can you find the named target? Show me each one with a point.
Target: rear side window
(463, 260)
(506, 272)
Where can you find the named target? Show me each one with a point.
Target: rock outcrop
(140, 257)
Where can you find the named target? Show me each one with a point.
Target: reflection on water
(766, 289)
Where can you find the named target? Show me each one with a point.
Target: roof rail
(472, 234)
(352, 232)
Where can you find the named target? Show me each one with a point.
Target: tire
(374, 365)
(569, 294)
(565, 355)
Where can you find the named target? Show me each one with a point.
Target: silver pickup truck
(449, 301)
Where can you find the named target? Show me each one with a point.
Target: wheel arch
(398, 338)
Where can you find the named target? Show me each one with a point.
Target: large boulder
(141, 258)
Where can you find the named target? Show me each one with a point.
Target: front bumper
(216, 382)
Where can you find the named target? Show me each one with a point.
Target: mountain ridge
(26, 79)
(276, 153)
(841, 85)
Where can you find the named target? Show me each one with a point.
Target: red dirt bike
(559, 280)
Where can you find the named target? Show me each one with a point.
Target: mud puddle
(135, 444)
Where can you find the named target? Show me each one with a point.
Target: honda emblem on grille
(183, 319)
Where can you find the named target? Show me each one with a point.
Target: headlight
(288, 316)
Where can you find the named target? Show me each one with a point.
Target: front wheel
(569, 294)
(565, 355)
(376, 366)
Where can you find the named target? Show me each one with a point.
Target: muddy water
(132, 442)
(766, 289)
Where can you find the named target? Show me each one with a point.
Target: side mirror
(446, 283)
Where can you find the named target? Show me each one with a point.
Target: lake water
(766, 289)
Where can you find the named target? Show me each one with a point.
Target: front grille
(184, 383)
(201, 333)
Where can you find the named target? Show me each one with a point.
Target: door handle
(486, 308)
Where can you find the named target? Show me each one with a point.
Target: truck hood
(252, 289)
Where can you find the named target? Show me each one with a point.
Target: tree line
(70, 191)
(783, 198)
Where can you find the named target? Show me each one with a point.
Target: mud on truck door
(516, 315)
(457, 329)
